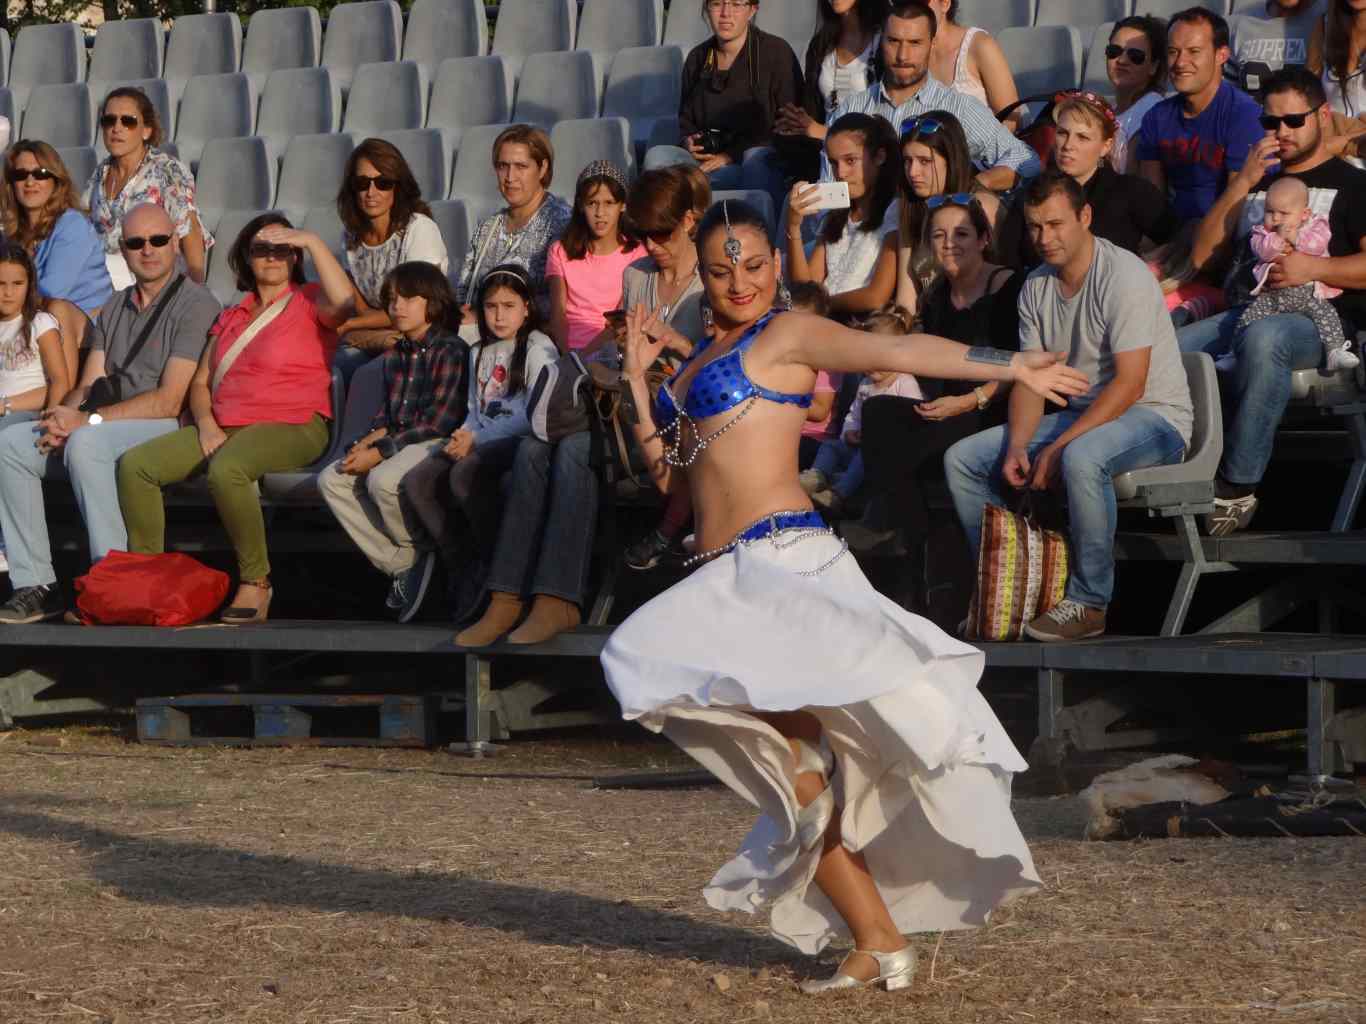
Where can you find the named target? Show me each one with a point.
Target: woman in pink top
(260, 401)
(584, 268)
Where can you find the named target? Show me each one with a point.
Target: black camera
(712, 140)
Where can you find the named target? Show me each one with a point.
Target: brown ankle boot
(501, 615)
(550, 616)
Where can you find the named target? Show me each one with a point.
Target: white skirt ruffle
(923, 771)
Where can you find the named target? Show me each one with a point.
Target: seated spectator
(969, 61)
(385, 222)
(1265, 351)
(855, 253)
(454, 494)
(424, 402)
(584, 268)
(33, 368)
(972, 300)
(261, 402)
(134, 173)
(907, 92)
(1337, 40)
(935, 156)
(1100, 305)
(42, 215)
(1136, 64)
(1125, 209)
(1276, 34)
(143, 351)
(521, 232)
(734, 85)
(1191, 142)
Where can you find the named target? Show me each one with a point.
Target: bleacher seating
(425, 153)
(311, 173)
(608, 26)
(761, 201)
(795, 23)
(1166, 8)
(80, 164)
(685, 26)
(201, 44)
(220, 280)
(7, 110)
(557, 87)
(439, 30)
(324, 222)
(282, 37)
(995, 15)
(643, 86)
(213, 107)
(6, 48)
(468, 91)
(532, 26)
(234, 175)
(155, 90)
(1094, 76)
(61, 115)
(1043, 58)
(1084, 14)
(359, 33)
(127, 49)
(473, 179)
(579, 143)
(387, 97)
(297, 101)
(452, 216)
(45, 55)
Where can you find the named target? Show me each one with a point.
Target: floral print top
(159, 179)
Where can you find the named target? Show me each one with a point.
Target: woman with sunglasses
(969, 61)
(384, 222)
(261, 401)
(935, 162)
(135, 172)
(40, 213)
(1136, 64)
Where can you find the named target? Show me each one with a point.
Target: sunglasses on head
(127, 120)
(1272, 122)
(921, 126)
(1135, 55)
(955, 198)
(134, 244)
(266, 251)
(15, 174)
(362, 182)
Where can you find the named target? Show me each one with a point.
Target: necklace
(682, 286)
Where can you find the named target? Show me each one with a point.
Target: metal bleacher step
(287, 720)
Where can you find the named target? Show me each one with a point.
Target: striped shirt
(990, 143)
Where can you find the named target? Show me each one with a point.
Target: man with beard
(907, 90)
(1296, 120)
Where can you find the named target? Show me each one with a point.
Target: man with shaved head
(141, 354)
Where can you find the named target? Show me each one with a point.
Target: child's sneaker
(1342, 359)
(813, 481)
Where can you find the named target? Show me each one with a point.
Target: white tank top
(965, 81)
(837, 82)
(1346, 97)
(21, 367)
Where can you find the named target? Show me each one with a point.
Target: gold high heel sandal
(240, 615)
(894, 971)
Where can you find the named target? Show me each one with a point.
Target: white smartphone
(828, 195)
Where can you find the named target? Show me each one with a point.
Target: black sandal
(237, 615)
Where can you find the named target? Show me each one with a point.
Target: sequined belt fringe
(783, 529)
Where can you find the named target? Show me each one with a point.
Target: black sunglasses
(127, 120)
(1135, 55)
(16, 174)
(1272, 122)
(956, 198)
(921, 126)
(266, 251)
(158, 242)
(362, 183)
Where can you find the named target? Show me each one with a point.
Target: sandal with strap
(239, 615)
(894, 971)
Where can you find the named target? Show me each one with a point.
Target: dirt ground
(143, 885)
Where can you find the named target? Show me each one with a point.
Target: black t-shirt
(993, 320)
(742, 101)
(1337, 190)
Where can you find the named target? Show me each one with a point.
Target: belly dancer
(881, 775)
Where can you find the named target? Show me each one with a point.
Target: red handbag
(125, 589)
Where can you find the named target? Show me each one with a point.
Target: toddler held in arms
(1289, 225)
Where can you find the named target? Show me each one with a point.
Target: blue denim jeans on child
(842, 464)
(1089, 464)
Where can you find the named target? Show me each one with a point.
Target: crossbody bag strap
(151, 323)
(262, 321)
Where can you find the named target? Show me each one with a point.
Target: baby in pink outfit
(1289, 225)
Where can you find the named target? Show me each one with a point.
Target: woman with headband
(881, 774)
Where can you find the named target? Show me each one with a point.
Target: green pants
(248, 454)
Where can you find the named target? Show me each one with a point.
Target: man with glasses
(1296, 122)
(907, 91)
(143, 351)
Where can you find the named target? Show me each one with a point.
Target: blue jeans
(545, 540)
(1089, 464)
(761, 169)
(90, 456)
(842, 464)
(1267, 351)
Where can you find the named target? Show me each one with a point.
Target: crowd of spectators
(121, 368)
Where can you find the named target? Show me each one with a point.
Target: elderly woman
(260, 401)
(523, 231)
(135, 173)
(40, 213)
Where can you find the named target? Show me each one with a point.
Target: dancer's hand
(1048, 376)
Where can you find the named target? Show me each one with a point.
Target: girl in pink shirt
(584, 268)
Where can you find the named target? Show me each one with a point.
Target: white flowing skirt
(923, 766)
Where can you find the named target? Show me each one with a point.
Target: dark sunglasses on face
(659, 237)
(956, 198)
(920, 126)
(1135, 55)
(266, 251)
(15, 174)
(127, 120)
(362, 183)
(158, 242)
(1272, 122)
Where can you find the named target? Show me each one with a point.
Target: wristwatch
(983, 400)
(95, 419)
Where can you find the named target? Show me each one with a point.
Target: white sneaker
(813, 481)
(1341, 359)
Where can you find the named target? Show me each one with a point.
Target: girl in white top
(841, 60)
(1136, 64)
(33, 371)
(855, 252)
(1336, 50)
(969, 61)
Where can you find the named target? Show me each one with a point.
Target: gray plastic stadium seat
(300, 487)
(155, 90)
(5, 54)
(685, 26)
(557, 87)
(1093, 75)
(367, 32)
(213, 107)
(425, 153)
(220, 278)
(234, 175)
(468, 91)
(80, 164)
(453, 218)
(131, 48)
(311, 173)
(45, 55)
(796, 23)
(324, 222)
(385, 97)
(7, 110)
(473, 180)
(760, 200)
(1080, 13)
(440, 30)
(1043, 58)
(60, 115)
(1166, 8)
(201, 44)
(532, 26)
(278, 38)
(994, 15)
(643, 87)
(607, 27)
(579, 143)
(297, 101)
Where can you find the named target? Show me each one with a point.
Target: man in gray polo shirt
(151, 383)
